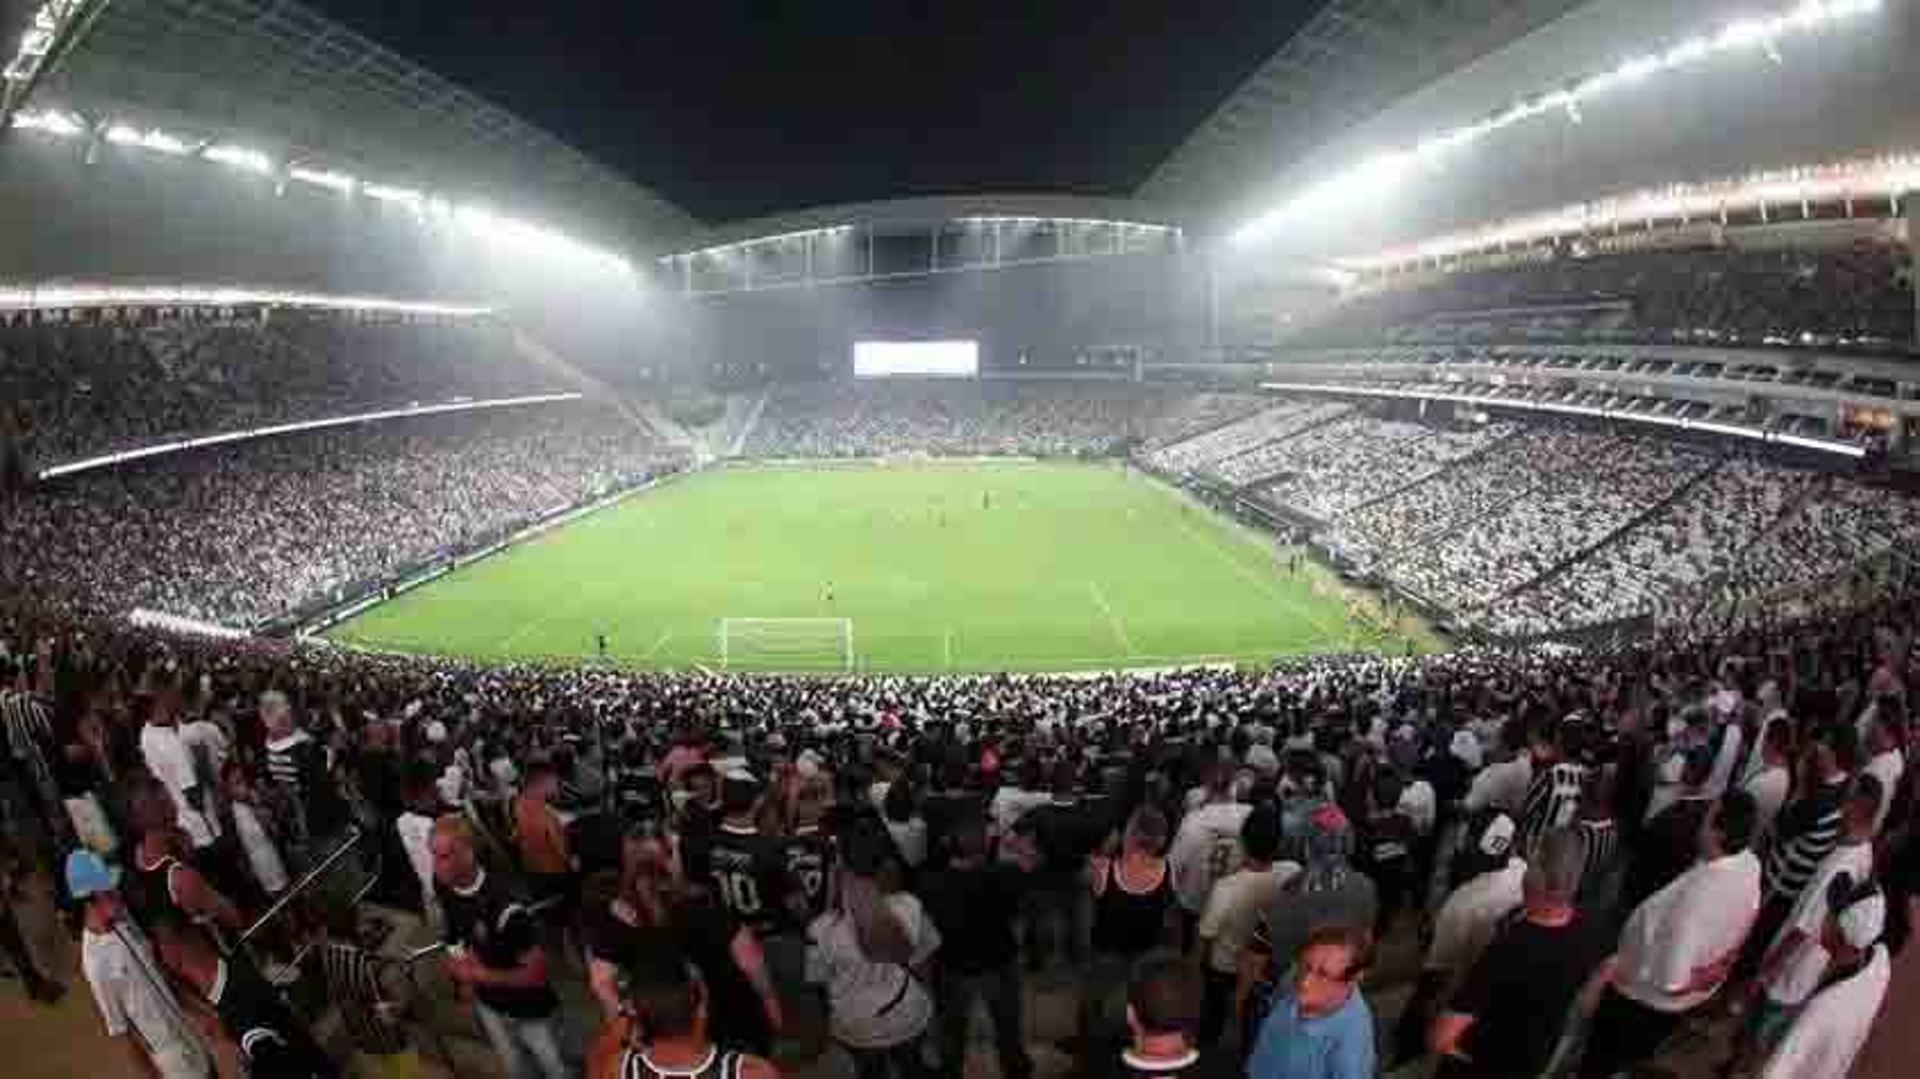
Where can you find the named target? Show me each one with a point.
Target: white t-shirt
(1800, 973)
(872, 1005)
(1829, 1032)
(134, 998)
(1011, 803)
(168, 758)
(1472, 914)
(1420, 804)
(1234, 909)
(1503, 784)
(1769, 789)
(415, 830)
(1698, 919)
(262, 857)
(1206, 849)
(1887, 768)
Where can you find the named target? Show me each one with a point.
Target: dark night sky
(733, 109)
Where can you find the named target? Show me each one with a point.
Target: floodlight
(51, 121)
(240, 158)
(333, 181)
(406, 196)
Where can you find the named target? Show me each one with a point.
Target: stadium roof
(1350, 61)
(276, 75)
(897, 216)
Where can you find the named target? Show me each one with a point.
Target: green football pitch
(925, 568)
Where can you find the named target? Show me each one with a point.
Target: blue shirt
(1337, 1046)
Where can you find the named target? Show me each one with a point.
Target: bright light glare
(240, 158)
(1371, 178)
(945, 359)
(1878, 178)
(332, 181)
(51, 121)
(151, 139)
(70, 296)
(524, 238)
(388, 193)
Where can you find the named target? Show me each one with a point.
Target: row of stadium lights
(517, 235)
(1879, 178)
(1379, 174)
(832, 231)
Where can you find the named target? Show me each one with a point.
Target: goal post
(799, 645)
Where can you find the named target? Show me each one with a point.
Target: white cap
(1862, 922)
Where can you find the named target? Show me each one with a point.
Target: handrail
(300, 885)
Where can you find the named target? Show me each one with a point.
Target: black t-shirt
(1066, 833)
(703, 932)
(809, 861)
(498, 930)
(974, 909)
(748, 870)
(1519, 992)
(1667, 849)
(271, 1040)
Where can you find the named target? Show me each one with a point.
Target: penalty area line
(658, 644)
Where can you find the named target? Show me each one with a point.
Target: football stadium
(1314, 539)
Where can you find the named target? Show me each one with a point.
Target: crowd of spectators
(956, 417)
(1849, 295)
(1381, 530)
(1693, 543)
(1558, 519)
(1208, 452)
(245, 532)
(74, 389)
(1599, 848)
(1357, 459)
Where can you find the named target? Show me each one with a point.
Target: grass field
(1065, 567)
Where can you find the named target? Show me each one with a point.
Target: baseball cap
(88, 875)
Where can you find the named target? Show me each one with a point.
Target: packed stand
(886, 418)
(1576, 855)
(1460, 495)
(1839, 525)
(1192, 414)
(1693, 544)
(241, 533)
(1470, 568)
(1269, 457)
(1353, 461)
(1204, 451)
(74, 389)
(1849, 296)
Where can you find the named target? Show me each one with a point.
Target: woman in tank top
(1132, 915)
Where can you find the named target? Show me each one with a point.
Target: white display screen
(952, 359)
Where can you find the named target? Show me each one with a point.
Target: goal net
(823, 645)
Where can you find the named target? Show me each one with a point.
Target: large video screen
(949, 359)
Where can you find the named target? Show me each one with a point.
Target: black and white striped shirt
(353, 976)
(1805, 832)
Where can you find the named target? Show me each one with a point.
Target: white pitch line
(526, 627)
(1218, 548)
(657, 645)
(1113, 620)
